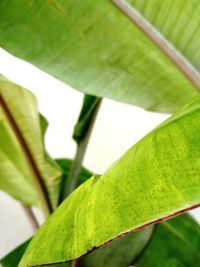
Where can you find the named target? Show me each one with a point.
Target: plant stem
(75, 169)
(31, 217)
(75, 263)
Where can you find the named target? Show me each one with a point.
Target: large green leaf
(178, 21)
(23, 161)
(157, 178)
(116, 253)
(181, 247)
(93, 47)
(175, 243)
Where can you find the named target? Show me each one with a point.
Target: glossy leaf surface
(22, 155)
(157, 178)
(93, 47)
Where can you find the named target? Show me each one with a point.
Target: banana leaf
(93, 47)
(156, 179)
(24, 164)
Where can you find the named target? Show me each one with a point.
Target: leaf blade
(22, 149)
(162, 43)
(121, 63)
(13, 258)
(89, 107)
(119, 253)
(156, 179)
(173, 241)
(181, 246)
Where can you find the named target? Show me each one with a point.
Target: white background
(118, 127)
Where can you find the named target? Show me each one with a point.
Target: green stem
(31, 217)
(75, 169)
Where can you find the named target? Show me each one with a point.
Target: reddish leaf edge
(165, 218)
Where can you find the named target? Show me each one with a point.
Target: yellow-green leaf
(175, 240)
(25, 167)
(156, 179)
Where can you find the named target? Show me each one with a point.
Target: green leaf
(93, 47)
(181, 247)
(24, 164)
(169, 19)
(120, 252)
(81, 135)
(65, 165)
(43, 125)
(156, 179)
(90, 104)
(175, 243)
(13, 258)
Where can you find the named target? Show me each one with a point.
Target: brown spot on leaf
(58, 8)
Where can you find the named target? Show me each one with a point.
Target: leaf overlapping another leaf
(175, 242)
(94, 48)
(171, 242)
(24, 163)
(13, 258)
(65, 165)
(120, 252)
(155, 179)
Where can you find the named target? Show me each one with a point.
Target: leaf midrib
(157, 38)
(31, 164)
